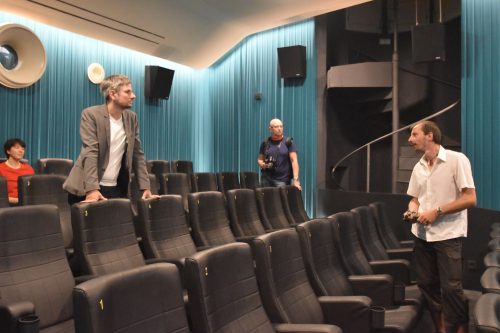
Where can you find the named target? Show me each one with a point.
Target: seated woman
(13, 167)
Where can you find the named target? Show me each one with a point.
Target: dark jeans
(439, 268)
(267, 181)
(109, 192)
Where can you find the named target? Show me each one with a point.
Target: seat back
(487, 314)
(57, 166)
(47, 189)
(143, 299)
(227, 181)
(182, 166)
(352, 254)
(204, 181)
(243, 213)
(271, 208)
(385, 232)
(223, 292)
(367, 231)
(163, 226)
(322, 260)
(105, 240)
(293, 205)
(286, 293)
(34, 267)
(249, 179)
(158, 168)
(176, 183)
(4, 195)
(209, 219)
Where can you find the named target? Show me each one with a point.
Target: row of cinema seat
(221, 282)
(490, 284)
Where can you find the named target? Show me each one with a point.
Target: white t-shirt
(450, 174)
(117, 142)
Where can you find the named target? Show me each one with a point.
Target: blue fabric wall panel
(481, 97)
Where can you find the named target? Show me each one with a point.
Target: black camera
(270, 162)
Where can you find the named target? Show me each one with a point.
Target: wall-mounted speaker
(292, 61)
(428, 42)
(22, 56)
(157, 81)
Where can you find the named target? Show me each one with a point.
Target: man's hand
(13, 200)
(428, 217)
(148, 195)
(296, 183)
(94, 196)
(410, 216)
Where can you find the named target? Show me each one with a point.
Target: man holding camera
(278, 159)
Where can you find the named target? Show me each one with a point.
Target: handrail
(367, 145)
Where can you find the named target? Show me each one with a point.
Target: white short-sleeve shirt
(450, 174)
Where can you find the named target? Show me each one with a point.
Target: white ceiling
(194, 33)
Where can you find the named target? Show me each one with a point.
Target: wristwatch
(439, 211)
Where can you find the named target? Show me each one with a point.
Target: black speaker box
(428, 42)
(292, 61)
(157, 81)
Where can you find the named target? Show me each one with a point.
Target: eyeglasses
(277, 126)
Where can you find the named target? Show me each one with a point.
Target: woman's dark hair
(11, 143)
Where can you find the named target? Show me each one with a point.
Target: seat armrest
(489, 280)
(399, 269)
(351, 313)
(407, 243)
(380, 288)
(306, 328)
(245, 239)
(11, 312)
(403, 253)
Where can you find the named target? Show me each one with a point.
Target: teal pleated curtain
(240, 121)
(481, 96)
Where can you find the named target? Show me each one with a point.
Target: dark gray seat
(35, 277)
(385, 232)
(249, 179)
(143, 299)
(486, 314)
(57, 166)
(47, 189)
(157, 168)
(227, 181)
(224, 296)
(4, 195)
(328, 277)
(293, 204)
(286, 293)
(176, 183)
(204, 181)
(183, 166)
(271, 209)
(209, 219)
(243, 213)
(370, 241)
(163, 226)
(135, 193)
(492, 259)
(105, 240)
(490, 280)
(356, 263)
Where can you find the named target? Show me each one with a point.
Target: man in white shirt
(442, 189)
(111, 148)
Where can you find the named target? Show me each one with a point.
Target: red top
(12, 174)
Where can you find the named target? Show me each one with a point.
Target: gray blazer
(94, 155)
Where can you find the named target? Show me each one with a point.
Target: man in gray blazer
(111, 149)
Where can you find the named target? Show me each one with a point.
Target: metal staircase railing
(368, 145)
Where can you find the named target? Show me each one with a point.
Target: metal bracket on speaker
(22, 56)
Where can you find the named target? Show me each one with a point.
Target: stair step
(409, 151)
(401, 187)
(403, 176)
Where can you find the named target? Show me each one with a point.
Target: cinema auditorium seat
(56, 166)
